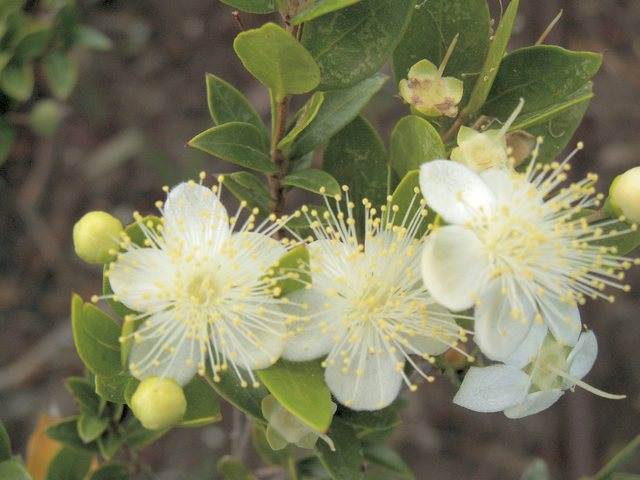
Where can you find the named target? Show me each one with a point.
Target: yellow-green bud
(624, 194)
(94, 235)
(45, 117)
(158, 403)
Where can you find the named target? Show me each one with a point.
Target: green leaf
(277, 60)
(261, 445)
(65, 26)
(232, 468)
(7, 137)
(303, 119)
(387, 458)
(5, 58)
(109, 444)
(625, 243)
(137, 437)
(236, 142)
(32, 41)
(130, 389)
(352, 44)
(310, 468)
(66, 432)
(289, 271)
(13, 470)
(339, 108)
(96, 337)
(228, 104)
(357, 157)
(69, 464)
(413, 142)
(89, 37)
(112, 471)
(84, 393)
(246, 186)
(313, 180)
(5, 444)
(61, 73)
(300, 388)
(432, 28)
(112, 388)
(90, 427)
(17, 81)
(253, 6)
(377, 420)
(538, 470)
(311, 10)
(347, 462)
(247, 400)
(202, 406)
(543, 75)
(491, 64)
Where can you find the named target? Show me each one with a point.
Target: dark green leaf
(61, 73)
(236, 142)
(130, 389)
(413, 142)
(433, 26)
(311, 468)
(277, 60)
(109, 444)
(227, 104)
(542, 75)
(66, 432)
(300, 388)
(491, 65)
(90, 427)
(7, 137)
(137, 437)
(246, 186)
(96, 337)
(32, 41)
(232, 468)
(383, 419)
(313, 180)
(339, 108)
(246, 399)
(13, 470)
(17, 81)
(5, 444)
(625, 242)
(303, 119)
(113, 471)
(89, 37)
(66, 23)
(253, 6)
(112, 388)
(352, 44)
(202, 406)
(289, 272)
(69, 464)
(347, 462)
(261, 445)
(387, 458)
(84, 393)
(311, 10)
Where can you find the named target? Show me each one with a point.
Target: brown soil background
(128, 121)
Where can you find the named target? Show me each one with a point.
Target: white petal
(563, 320)
(492, 389)
(497, 332)
(375, 389)
(141, 277)
(583, 355)
(455, 191)
(454, 266)
(194, 218)
(440, 332)
(308, 340)
(527, 351)
(534, 403)
(249, 255)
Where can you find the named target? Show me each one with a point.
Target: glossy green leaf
(89, 37)
(236, 142)
(277, 60)
(261, 445)
(413, 142)
(313, 180)
(388, 459)
(7, 137)
(137, 437)
(432, 28)
(112, 388)
(408, 202)
(13, 470)
(112, 471)
(246, 399)
(300, 387)
(84, 394)
(311, 10)
(246, 186)
(346, 462)
(90, 427)
(66, 432)
(32, 41)
(5, 444)
(538, 470)
(303, 119)
(61, 73)
(542, 75)
(96, 337)
(353, 43)
(228, 104)
(17, 81)
(357, 157)
(339, 108)
(232, 468)
(202, 406)
(69, 464)
(289, 272)
(383, 419)
(253, 6)
(492, 62)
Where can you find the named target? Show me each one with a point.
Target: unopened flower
(95, 236)
(158, 403)
(518, 247)
(520, 392)
(624, 195)
(367, 309)
(198, 285)
(428, 91)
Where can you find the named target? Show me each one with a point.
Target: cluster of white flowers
(515, 258)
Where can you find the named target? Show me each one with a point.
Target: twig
(454, 128)
(278, 159)
(236, 15)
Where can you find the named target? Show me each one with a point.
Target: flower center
(201, 288)
(552, 358)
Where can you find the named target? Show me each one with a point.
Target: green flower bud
(624, 195)
(158, 403)
(95, 236)
(45, 117)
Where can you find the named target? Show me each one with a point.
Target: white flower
(518, 247)
(367, 307)
(199, 290)
(522, 392)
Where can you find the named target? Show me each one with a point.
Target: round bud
(624, 194)
(94, 235)
(45, 116)
(158, 403)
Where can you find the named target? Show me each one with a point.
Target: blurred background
(124, 136)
